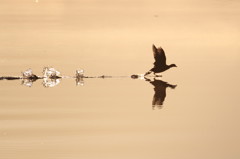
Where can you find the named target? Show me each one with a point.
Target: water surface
(114, 118)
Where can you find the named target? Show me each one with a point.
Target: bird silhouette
(160, 61)
(159, 92)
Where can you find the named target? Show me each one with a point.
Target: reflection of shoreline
(159, 92)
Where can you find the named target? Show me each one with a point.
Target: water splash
(50, 73)
(48, 82)
(79, 82)
(80, 73)
(138, 76)
(28, 82)
(28, 74)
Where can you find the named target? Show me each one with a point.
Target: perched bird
(160, 61)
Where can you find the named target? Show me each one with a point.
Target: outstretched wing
(159, 56)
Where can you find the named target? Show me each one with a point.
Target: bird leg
(157, 75)
(147, 73)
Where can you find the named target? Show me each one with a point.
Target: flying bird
(160, 61)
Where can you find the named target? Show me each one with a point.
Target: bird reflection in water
(159, 92)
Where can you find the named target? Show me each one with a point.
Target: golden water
(113, 118)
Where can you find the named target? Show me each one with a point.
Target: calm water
(114, 118)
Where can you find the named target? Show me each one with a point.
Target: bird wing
(159, 56)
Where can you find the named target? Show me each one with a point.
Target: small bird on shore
(160, 61)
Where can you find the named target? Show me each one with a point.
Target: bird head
(173, 65)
